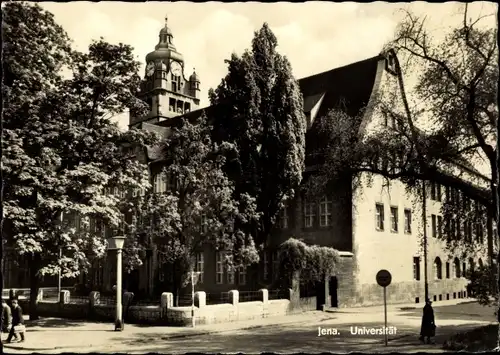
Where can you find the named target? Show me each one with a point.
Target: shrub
(312, 261)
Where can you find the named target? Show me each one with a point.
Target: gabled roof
(349, 87)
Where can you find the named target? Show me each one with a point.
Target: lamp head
(116, 243)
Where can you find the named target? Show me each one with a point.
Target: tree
(457, 92)
(197, 207)
(258, 108)
(61, 150)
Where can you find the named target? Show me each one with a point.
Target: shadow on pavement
(43, 323)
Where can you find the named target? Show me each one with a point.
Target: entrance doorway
(333, 291)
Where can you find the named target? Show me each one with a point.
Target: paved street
(298, 333)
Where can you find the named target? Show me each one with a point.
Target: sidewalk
(66, 335)
(56, 333)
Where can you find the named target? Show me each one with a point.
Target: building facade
(373, 225)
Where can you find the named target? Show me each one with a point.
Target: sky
(315, 36)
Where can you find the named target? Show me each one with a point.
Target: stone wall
(166, 314)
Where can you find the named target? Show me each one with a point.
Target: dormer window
(390, 63)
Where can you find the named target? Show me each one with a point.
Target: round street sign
(384, 278)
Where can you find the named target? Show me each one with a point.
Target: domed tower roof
(165, 49)
(194, 77)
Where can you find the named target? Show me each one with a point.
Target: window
(325, 212)
(471, 265)
(265, 264)
(309, 214)
(200, 266)
(204, 225)
(407, 221)
(434, 226)
(416, 268)
(479, 232)
(438, 271)
(379, 215)
(230, 269)
(219, 268)
(283, 217)
(464, 269)
(242, 275)
(176, 83)
(456, 264)
(394, 219)
(276, 264)
(452, 229)
(160, 183)
(440, 226)
(433, 191)
(438, 192)
(447, 270)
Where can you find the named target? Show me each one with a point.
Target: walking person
(17, 322)
(428, 328)
(6, 317)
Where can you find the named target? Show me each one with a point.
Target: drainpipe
(424, 219)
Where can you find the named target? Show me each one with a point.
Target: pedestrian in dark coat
(6, 317)
(428, 328)
(17, 322)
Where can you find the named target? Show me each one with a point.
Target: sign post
(384, 279)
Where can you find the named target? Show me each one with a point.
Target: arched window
(438, 269)
(480, 263)
(456, 264)
(471, 265)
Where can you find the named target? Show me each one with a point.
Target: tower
(164, 87)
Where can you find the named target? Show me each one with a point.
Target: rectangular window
(309, 214)
(276, 264)
(204, 225)
(447, 270)
(283, 217)
(200, 266)
(407, 220)
(325, 212)
(379, 215)
(440, 226)
(434, 226)
(230, 270)
(394, 219)
(265, 264)
(433, 191)
(242, 275)
(416, 268)
(159, 183)
(219, 268)
(438, 192)
(453, 232)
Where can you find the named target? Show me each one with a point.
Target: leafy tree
(61, 151)
(258, 108)
(197, 208)
(456, 93)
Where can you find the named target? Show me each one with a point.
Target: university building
(373, 225)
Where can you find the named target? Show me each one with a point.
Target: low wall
(226, 313)
(410, 292)
(166, 314)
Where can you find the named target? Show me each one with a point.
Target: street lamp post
(116, 243)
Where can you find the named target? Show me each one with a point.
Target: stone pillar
(234, 297)
(94, 298)
(167, 300)
(64, 297)
(264, 295)
(39, 297)
(200, 299)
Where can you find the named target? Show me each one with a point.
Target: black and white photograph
(249, 177)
